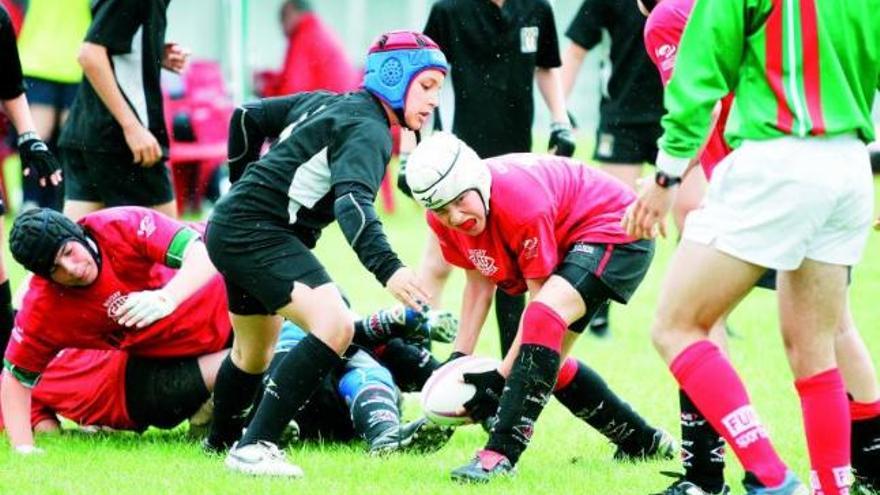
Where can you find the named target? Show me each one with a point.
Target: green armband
(179, 245)
(27, 378)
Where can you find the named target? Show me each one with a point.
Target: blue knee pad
(358, 378)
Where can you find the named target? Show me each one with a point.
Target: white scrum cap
(442, 167)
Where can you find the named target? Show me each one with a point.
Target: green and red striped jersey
(797, 67)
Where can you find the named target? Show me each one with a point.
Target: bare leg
(168, 209)
(854, 361)
(690, 195)
(76, 209)
(628, 173)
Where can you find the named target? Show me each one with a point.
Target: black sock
(374, 410)
(234, 394)
(508, 312)
(7, 315)
(289, 387)
(383, 325)
(409, 364)
(525, 394)
(589, 398)
(702, 448)
(866, 450)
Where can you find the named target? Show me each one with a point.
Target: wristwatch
(665, 180)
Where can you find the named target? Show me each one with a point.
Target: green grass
(565, 455)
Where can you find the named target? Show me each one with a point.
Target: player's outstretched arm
(476, 300)
(15, 403)
(145, 307)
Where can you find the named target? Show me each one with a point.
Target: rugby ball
(444, 394)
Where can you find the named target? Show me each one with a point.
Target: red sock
(714, 387)
(860, 411)
(827, 423)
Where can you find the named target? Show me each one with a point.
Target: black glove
(37, 159)
(561, 139)
(401, 176)
(484, 404)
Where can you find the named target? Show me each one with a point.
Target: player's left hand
(406, 287)
(646, 217)
(146, 307)
(490, 386)
(175, 57)
(561, 139)
(38, 162)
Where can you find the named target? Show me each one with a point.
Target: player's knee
(335, 329)
(355, 381)
(542, 325)
(252, 359)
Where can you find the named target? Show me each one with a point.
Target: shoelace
(273, 451)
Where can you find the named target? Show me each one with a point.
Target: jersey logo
(528, 39)
(146, 227)
(484, 264)
(114, 303)
(17, 335)
(530, 248)
(666, 55)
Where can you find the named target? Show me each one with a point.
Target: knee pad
(543, 326)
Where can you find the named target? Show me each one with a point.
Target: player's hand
(175, 57)
(646, 218)
(143, 145)
(484, 404)
(28, 450)
(38, 162)
(561, 139)
(144, 308)
(406, 287)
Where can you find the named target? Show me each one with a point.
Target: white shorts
(773, 203)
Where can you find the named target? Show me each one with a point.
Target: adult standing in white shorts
(805, 75)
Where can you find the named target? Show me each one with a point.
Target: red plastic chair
(209, 108)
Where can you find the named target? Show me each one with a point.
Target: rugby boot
(663, 446)
(485, 466)
(789, 486)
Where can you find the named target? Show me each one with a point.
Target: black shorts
(51, 93)
(113, 179)
(163, 392)
(260, 266)
(604, 272)
(627, 144)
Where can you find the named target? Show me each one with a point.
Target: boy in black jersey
(326, 164)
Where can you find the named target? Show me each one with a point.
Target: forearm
(476, 301)
(195, 272)
(362, 229)
(572, 60)
(15, 404)
(20, 114)
(95, 63)
(551, 89)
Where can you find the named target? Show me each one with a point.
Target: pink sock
(714, 387)
(827, 423)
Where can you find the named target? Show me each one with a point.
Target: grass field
(565, 455)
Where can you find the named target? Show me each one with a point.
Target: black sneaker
(485, 466)
(419, 436)
(682, 486)
(663, 446)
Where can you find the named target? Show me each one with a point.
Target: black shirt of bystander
(133, 31)
(493, 53)
(633, 94)
(11, 83)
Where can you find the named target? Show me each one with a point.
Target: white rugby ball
(444, 394)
